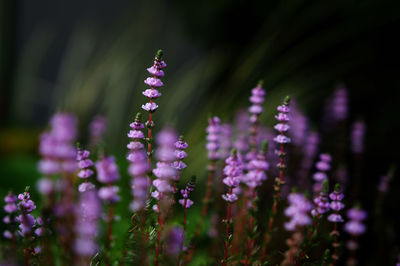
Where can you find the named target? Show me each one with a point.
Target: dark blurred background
(90, 57)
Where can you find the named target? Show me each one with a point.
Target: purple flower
(109, 194)
(84, 163)
(10, 201)
(233, 172)
(225, 141)
(298, 124)
(164, 171)
(257, 99)
(152, 93)
(154, 83)
(97, 129)
(138, 167)
(355, 226)
(297, 211)
(85, 187)
(149, 107)
(107, 170)
(88, 212)
(336, 205)
(45, 186)
(56, 145)
(241, 127)
(339, 103)
(357, 137)
(282, 126)
(256, 170)
(213, 137)
(180, 154)
(321, 202)
(186, 202)
(25, 220)
(174, 241)
(322, 166)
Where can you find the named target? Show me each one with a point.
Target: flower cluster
(336, 205)
(233, 172)
(355, 226)
(154, 83)
(57, 145)
(164, 172)
(321, 201)
(84, 165)
(339, 103)
(256, 170)
(107, 173)
(138, 165)
(225, 141)
(297, 211)
(257, 99)
(282, 127)
(323, 165)
(213, 137)
(180, 154)
(25, 219)
(88, 212)
(10, 208)
(97, 129)
(357, 137)
(186, 202)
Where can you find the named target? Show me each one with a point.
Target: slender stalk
(228, 232)
(158, 243)
(335, 244)
(251, 241)
(184, 230)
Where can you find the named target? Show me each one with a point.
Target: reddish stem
(250, 242)
(228, 227)
(184, 229)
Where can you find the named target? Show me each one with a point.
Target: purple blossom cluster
(11, 209)
(233, 172)
(84, 165)
(87, 229)
(108, 174)
(138, 165)
(225, 142)
(97, 128)
(323, 165)
(154, 83)
(180, 154)
(357, 137)
(57, 146)
(25, 219)
(336, 205)
(213, 137)
(297, 211)
(282, 127)
(164, 171)
(185, 201)
(257, 169)
(355, 226)
(256, 99)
